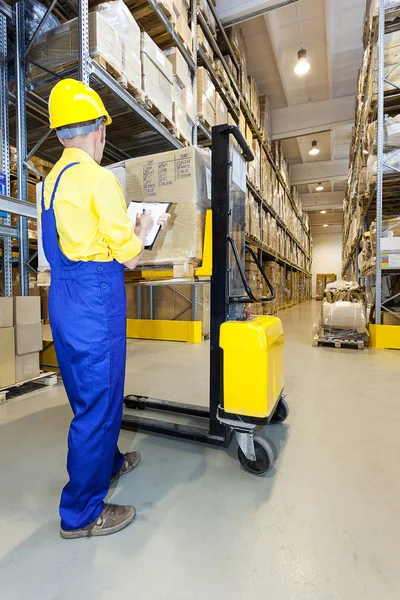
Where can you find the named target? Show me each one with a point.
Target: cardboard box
(27, 310)
(28, 338)
(203, 41)
(6, 312)
(184, 31)
(320, 286)
(221, 112)
(205, 87)
(182, 177)
(157, 87)
(389, 319)
(180, 67)
(183, 123)
(7, 357)
(27, 366)
(205, 96)
(156, 55)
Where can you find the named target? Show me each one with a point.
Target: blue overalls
(87, 310)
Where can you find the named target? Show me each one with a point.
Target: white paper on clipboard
(238, 170)
(157, 209)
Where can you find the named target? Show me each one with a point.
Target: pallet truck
(246, 354)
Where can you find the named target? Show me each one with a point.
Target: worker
(88, 238)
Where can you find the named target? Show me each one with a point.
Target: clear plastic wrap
(391, 134)
(34, 13)
(182, 177)
(120, 49)
(344, 316)
(205, 96)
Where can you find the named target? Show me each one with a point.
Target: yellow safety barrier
(385, 336)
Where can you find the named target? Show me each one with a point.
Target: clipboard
(157, 208)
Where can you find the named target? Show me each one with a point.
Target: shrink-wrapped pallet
(344, 316)
(113, 35)
(182, 177)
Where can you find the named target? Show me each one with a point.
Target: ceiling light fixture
(325, 225)
(314, 148)
(303, 66)
(319, 187)
(323, 212)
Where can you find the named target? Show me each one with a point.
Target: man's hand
(163, 220)
(145, 223)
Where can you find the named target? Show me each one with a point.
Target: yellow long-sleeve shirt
(90, 211)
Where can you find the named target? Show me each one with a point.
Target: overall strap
(56, 185)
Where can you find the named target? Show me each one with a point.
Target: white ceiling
(331, 32)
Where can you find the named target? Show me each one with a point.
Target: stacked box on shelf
(265, 117)
(183, 30)
(203, 41)
(254, 167)
(7, 342)
(320, 285)
(157, 76)
(221, 111)
(205, 97)
(229, 63)
(28, 337)
(253, 217)
(114, 36)
(224, 78)
(182, 94)
(249, 137)
(205, 9)
(275, 274)
(254, 100)
(242, 124)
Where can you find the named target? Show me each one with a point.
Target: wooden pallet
(155, 111)
(206, 123)
(25, 387)
(183, 270)
(211, 25)
(210, 58)
(338, 342)
(136, 92)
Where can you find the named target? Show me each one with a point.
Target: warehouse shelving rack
(382, 336)
(204, 61)
(26, 109)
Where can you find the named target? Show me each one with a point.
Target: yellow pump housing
(253, 365)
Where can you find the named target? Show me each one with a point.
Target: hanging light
(325, 225)
(319, 187)
(314, 148)
(303, 66)
(323, 212)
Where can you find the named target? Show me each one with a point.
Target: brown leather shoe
(112, 519)
(131, 460)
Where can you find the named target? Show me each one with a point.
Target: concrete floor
(323, 525)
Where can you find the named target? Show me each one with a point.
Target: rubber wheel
(264, 458)
(281, 412)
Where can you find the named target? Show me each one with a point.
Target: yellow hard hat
(72, 101)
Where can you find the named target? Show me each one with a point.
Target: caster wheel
(264, 458)
(281, 412)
